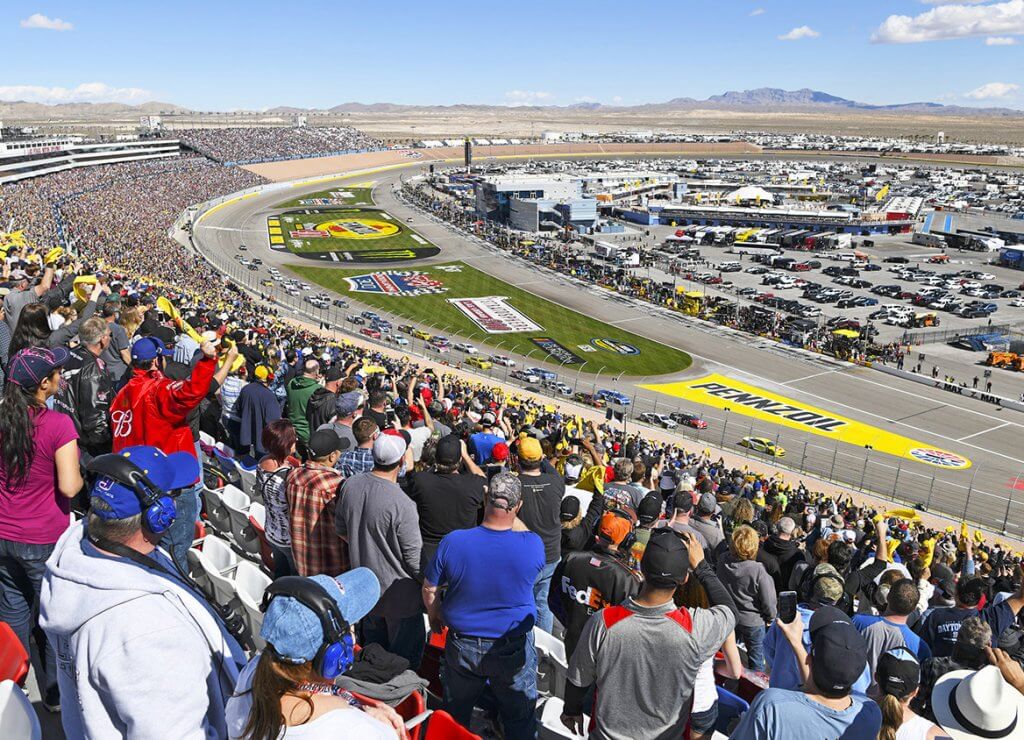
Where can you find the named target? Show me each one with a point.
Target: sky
(254, 55)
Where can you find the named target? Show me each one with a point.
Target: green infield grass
(582, 339)
(353, 233)
(336, 195)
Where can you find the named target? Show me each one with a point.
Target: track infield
(337, 195)
(459, 299)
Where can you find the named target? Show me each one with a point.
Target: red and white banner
(493, 315)
(309, 234)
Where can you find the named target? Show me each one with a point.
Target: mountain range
(766, 99)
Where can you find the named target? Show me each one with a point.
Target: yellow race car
(479, 362)
(420, 334)
(760, 444)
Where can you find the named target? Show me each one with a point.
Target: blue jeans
(21, 575)
(541, 586)
(507, 666)
(410, 637)
(178, 537)
(753, 638)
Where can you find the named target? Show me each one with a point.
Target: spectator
(359, 459)
(39, 476)
(88, 389)
(890, 631)
(446, 498)
(24, 294)
(621, 492)
(827, 706)
(229, 392)
(939, 629)
(753, 591)
(321, 407)
(117, 355)
(542, 502)
(481, 442)
(288, 688)
(272, 473)
(152, 410)
(117, 606)
(299, 390)
(256, 408)
(968, 655)
(347, 408)
(490, 610)
(707, 523)
(644, 654)
(786, 551)
(381, 529)
(418, 435)
(578, 529)
(680, 504)
(981, 704)
(898, 678)
(311, 490)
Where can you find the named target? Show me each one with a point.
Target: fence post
(931, 486)
(896, 481)
(835, 455)
(803, 457)
(1009, 501)
(970, 488)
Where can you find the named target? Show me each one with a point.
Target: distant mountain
(766, 99)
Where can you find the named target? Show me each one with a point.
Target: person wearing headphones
(289, 686)
(140, 651)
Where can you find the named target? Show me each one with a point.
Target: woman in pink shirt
(39, 475)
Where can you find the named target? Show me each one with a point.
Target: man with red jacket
(151, 410)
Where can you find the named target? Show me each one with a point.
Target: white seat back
(216, 512)
(250, 583)
(18, 719)
(247, 480)
(549, 726)
(219, 555)
(552, 664)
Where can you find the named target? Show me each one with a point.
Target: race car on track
(420, 334)
(479, 362)
(658, 420)
(502, 360)
(590, 399)
(613, 397)
(760, 444)
(688, 420)
(371, 333)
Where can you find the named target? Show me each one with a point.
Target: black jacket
(85, 396)
(581, 537)
(788, 554)
(321, 408)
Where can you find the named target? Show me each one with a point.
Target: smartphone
(787, 606)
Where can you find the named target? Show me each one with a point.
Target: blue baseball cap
(111, 499)
(32, 365)
(149, 348)
(295, 631)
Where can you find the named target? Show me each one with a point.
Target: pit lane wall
(1001, 401)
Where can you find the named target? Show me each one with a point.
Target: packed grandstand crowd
(258, 144)
(426, 534)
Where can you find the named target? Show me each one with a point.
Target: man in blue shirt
(890, 631)
(489, 609)
(481, 443)
(827, 706)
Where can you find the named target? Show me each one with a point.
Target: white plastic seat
(246, 479)
(217, 515)
(250, 583)
(18, 719)
(549, 725)
(552, 663)
(207, 439)
(219, 563)
(236, 503)
(248, 539)
(196, 570)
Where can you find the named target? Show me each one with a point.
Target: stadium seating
(216, 514)
(440, 726)
(552, 663)
(14, 660)
(250, 583)
(247, 481)
(247, 538)
(258, 526)
(549, 720)
(730, 707)
(219, 562)
(17, 716)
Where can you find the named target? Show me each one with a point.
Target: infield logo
(404, 283)
(564, 355)
(939, 457)
(611, 345)
(769, 406)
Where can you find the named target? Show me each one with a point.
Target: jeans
(21, 575)
(703, 723)
(178, 537)
(284, 563)
(410, 636)
(507, 666)
(541, 586)
(753, 638)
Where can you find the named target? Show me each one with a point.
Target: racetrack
(990, 491)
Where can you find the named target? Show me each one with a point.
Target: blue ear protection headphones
(158, 509)
(337, 653)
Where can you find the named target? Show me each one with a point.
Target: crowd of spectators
(393, 490)
(246, 144)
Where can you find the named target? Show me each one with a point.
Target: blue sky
(219, 55)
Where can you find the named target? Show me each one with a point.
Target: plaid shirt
(353, 462)
(311, 491)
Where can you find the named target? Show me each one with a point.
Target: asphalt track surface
(989, 493)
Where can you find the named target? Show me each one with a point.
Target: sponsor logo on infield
(494, 315)
(939, 457)
(611, 345)
(562, 354)
(405, 283)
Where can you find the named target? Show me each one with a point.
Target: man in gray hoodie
(140, 652)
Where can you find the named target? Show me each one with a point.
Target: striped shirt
(311, 491)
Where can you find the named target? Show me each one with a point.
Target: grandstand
(249, 144)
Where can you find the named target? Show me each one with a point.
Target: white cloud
(527, 97)
(616, 99)
(87, 92)
(584, 99)
(803, 32)
(757, 11)
(994, 91)
(38, 20)
(953, 21)
(1000, 41)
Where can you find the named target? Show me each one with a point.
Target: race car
(688, 420)
(469, 349)
(398, 339)
(502, 360)
(658, 420)
(613, 397)
(439, 348)
(479, 362)
(590, 400)
(526, 376)
(763, 445)
(420, 334)
(371, 333)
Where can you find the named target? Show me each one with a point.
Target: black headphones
(628, 541)
(337, 652)
(158, 508)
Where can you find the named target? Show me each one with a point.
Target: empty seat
(730, 708)
(257, 520)
(13, 658)
(247, 480)
(248, 538)
(250, 583)
(219, 562)
(237, 505)
(207, 439)
(217, 515)
(549, 716)
(17, 717)
(196, 570)
(552, 664)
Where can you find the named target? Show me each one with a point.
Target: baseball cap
(708, 504)
(449, 450)
(487, 419)
(530, 450)
(683, 499)
(649, 509)
(263, 373)
(295, 630)
(335, 372)
(827, 584)
(18, 275)
(666, 557)
(505, 491)
(323, 442)
(569, 508)
(839, 651)
(898, 673)
(388, 449)
(614, 528)
(499, 453)
(32, 365)
(149, 348)
(111, 499)
(348, 403)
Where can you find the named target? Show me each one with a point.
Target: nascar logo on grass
(726, 393)
(493, 315)
(358, 228)
(405, 283)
